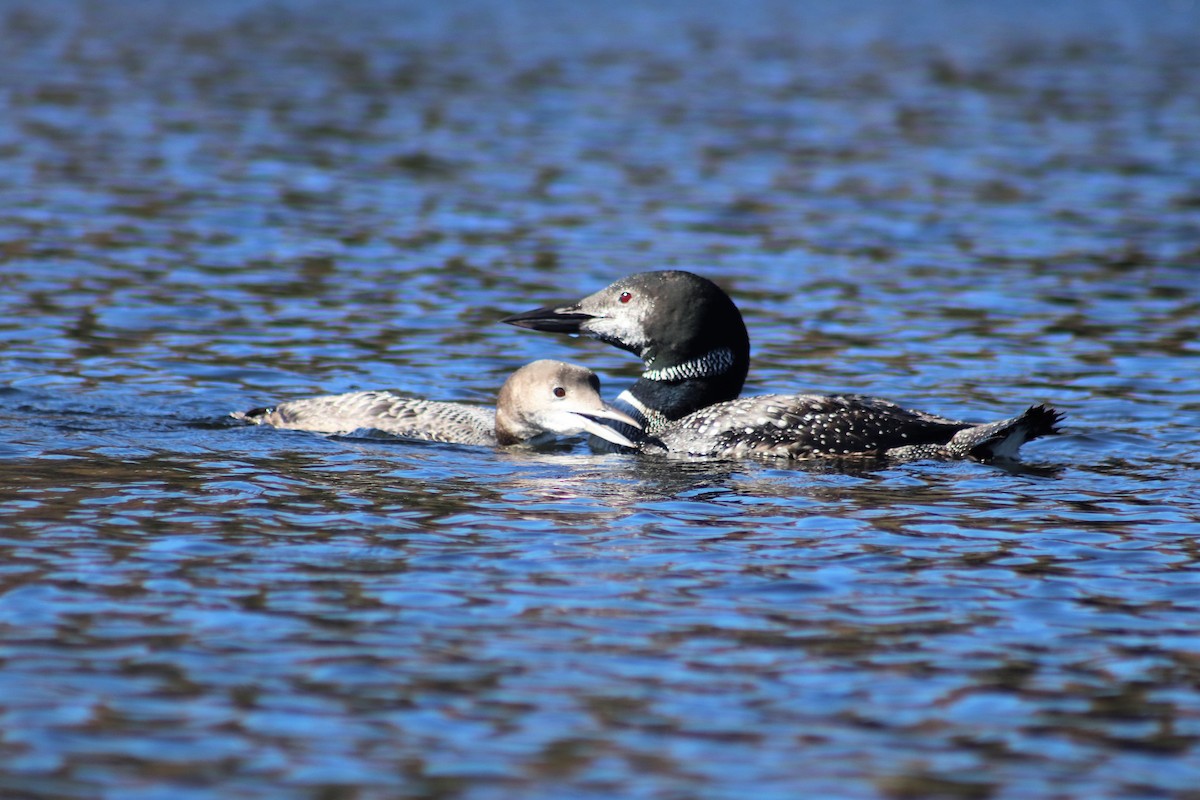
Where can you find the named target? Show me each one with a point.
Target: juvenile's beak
(591, 424)
(565, 319)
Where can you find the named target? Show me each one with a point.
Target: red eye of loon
(625, 297)
(559, 391)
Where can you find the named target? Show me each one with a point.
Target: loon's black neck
(665, 394)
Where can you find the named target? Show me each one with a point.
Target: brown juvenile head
(553, 398)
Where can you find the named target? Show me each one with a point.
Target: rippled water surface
(965, 207)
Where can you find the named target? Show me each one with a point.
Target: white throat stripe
(652, 419)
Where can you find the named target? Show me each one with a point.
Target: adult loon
(696, 352)
(537, 402)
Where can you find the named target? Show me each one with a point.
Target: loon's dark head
(667, 319)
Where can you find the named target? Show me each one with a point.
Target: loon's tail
(1001, 440)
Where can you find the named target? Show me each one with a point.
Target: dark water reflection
(965, 207)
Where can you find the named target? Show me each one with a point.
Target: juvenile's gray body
(381, 410)
(539, 401)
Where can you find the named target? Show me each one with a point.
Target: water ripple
(211, 209)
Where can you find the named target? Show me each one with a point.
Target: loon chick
(696, 351)
(537, 402)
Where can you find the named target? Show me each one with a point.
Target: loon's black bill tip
(610, 413)
(592, 424)
(550, 320)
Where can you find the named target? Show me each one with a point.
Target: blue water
(964, 207)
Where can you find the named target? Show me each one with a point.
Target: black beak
(568, 319)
